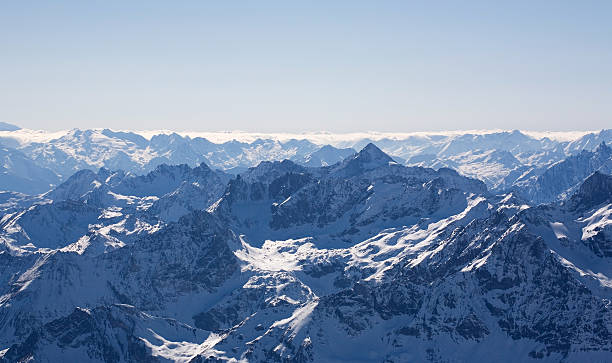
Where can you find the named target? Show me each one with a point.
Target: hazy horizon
(312, 131)
(321, 136)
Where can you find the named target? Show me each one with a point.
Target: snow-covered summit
(369, 158)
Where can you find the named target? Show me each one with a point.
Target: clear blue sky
(314, 65)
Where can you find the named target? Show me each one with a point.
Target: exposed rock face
(111, 205)
(363, 194)
(595, 190)
(115, 333)
(189, 257)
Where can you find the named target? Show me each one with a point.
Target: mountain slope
(561, 179)
(112, 208)
(189, 257)
(364, 193)
(21, 174)
(482, 284)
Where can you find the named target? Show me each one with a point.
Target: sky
(288, 66)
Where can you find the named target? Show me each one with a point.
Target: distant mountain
(18, 173)
(590, 141)
(560, 180)
(503, 159)
(326, 155)
(4, 126)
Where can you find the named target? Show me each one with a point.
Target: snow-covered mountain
(4, 126)
(560, 180)
(18, 173)
(360, 260)
(505, 160)
(66, 153)
(109, 208)
(364, 193)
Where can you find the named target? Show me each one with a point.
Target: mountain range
(327, 255)
(36, 161)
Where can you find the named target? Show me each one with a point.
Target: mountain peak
(76, 186)
(369, 158)
(603, 149)
(372, 154)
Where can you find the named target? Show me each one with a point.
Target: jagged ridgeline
(337, 256)
(35, 161)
